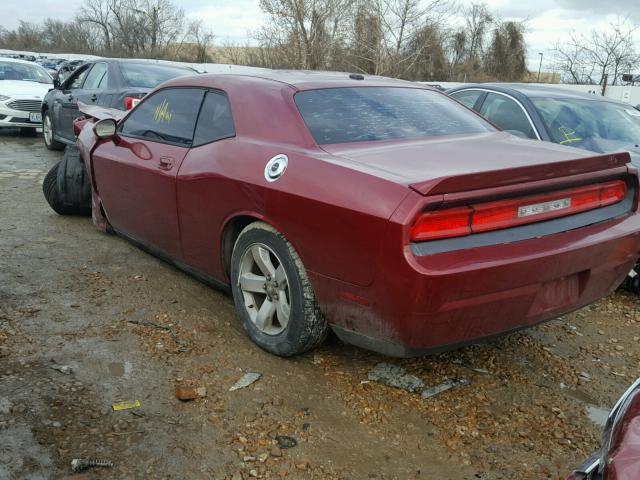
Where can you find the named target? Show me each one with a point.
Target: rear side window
(360, 114)
(506, 114)
(141, 75)
(215, 121)
(169, 116)
(97, 77)
(468, 97)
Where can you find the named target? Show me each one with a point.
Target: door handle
(166, 163)
(94, 97)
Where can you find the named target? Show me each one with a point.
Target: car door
(65, 109)
(508, 114)
(95, 84)
(135, 173)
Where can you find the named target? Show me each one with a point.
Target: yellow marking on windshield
(162, 113)
(569, 135)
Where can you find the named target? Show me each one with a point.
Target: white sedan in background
(23, 86)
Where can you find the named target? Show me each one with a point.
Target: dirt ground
(72, 296)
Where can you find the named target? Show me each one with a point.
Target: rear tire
(275, 287)
(66, 186)
(47, 133)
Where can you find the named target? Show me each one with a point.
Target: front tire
(47, 133)
(272, 293)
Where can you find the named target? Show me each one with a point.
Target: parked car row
(109, 83)
(378, 209)
(560, 116)
(383, 210)
(23, 86)
(31, 97)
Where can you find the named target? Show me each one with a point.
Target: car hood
(24, 89)
(458, 163)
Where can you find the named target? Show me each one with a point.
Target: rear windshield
(361, 114)
(141, 75)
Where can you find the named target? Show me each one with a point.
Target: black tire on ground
(51, 144)
(632, 283)
(28, 131)
(66, 186)
(306, 327)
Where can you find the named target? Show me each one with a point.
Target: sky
(547, 20)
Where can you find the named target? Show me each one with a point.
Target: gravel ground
(130, 327)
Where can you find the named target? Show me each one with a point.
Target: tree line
(601, 57)
(411, 39)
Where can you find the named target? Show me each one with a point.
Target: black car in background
(106, 82)
(553, 114)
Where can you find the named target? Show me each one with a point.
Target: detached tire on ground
(66, 186)
(272, 293)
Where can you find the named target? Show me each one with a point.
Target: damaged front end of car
(619, 457)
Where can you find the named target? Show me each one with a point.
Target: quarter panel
(333, 216)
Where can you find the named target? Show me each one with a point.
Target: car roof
(17, 60)
(304, 80)
(535, 91)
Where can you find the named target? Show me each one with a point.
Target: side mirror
(105, 128)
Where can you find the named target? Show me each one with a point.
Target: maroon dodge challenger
(376, 208)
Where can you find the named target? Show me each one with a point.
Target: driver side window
(169, 116)
(77, 80)
(506, 114)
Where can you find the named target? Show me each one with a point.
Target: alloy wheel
(265, 289)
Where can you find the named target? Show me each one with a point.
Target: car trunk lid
(448, 165)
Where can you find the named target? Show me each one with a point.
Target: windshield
(24, 71)
(359, 114)
(589, 124)
(143, 75)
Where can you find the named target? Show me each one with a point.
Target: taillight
(130, 102)
(488, 216)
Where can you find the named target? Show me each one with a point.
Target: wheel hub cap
(265, 289)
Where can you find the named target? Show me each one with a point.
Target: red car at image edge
(379, 209)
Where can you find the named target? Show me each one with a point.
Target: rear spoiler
(100, 113)
(517, 175)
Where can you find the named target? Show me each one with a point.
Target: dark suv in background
(106, 82)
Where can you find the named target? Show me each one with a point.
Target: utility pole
(540, 66)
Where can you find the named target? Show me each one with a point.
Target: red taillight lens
(442, 224)
(484, 217)
(130, 102)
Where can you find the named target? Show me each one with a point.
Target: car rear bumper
(423, 304)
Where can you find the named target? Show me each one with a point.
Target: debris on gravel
(395, 376)
(246, 380)
(285, 442)
(66, 369)
(81, 464)
(186, 394)
(128, 405)
(443, 387)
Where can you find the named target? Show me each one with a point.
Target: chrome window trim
(535, 130)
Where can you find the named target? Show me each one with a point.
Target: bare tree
(478, 19)
(98, 13)
(311, 30)
(600, 57)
